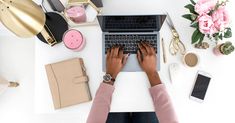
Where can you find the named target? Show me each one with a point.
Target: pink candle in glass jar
(74, 40)
(77, 14)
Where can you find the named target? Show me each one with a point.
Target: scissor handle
(181, 47)
(172, 48)
(176, 46)
(175, 33)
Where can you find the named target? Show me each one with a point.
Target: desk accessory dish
(68, 82)
(210, 19)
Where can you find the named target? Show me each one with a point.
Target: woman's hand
(115, 61)
(147, 57)
(148, 61)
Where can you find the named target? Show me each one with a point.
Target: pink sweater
(162, 103)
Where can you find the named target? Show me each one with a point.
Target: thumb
(139, 57)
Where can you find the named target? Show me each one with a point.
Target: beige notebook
(68, 83)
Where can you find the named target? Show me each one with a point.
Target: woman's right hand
(148, 61)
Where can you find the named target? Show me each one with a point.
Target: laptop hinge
(132, 31)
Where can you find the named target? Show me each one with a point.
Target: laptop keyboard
(129, 42)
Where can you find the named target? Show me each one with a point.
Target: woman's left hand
(115, 61)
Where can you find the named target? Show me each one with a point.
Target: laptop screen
(131, 23)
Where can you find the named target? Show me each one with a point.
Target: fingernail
(127, 55)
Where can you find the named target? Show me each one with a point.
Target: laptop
(128, 31)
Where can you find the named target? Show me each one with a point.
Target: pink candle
(77, 14)
(74, 40)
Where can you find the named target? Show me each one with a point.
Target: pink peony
(205, 6)
(220, 18)
(206, 24)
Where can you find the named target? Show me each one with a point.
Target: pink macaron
(74, 40)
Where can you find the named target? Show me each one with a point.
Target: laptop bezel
(160, 20)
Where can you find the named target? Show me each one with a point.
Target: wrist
(154, 78)
(151, 73)
(112, 74)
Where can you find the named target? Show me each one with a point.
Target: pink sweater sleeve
(101, 104)
(163, 106)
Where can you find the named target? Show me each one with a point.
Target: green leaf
(193, 17)
(187, 16)
(221, 37)
(216, 37)
(194, 3)
(202, 38)
(194, 25)
(191, 8)
(196, 36)
(228, 33)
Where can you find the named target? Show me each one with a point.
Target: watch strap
(113, 80)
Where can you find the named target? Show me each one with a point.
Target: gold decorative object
(90, 7)
(176, 44)
(25, 19)
(5, 84)
(203, 45)
(89, 2)
(22, 17)
(13, 84)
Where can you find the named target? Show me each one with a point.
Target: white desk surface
(131, 92)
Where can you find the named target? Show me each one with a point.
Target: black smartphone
(201, 85)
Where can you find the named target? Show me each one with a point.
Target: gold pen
(164, 51)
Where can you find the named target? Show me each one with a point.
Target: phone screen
(200, 87)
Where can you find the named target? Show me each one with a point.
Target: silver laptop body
(132, 64)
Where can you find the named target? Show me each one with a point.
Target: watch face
(107, 78)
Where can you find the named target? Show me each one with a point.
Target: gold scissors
(176, 44)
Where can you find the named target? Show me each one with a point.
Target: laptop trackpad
(132, 64)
